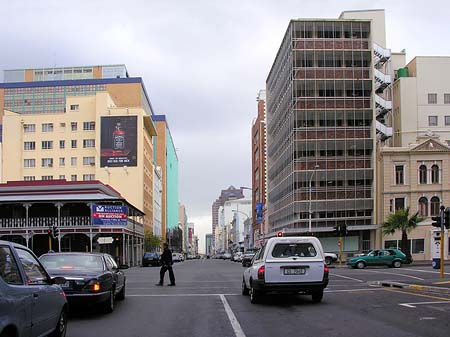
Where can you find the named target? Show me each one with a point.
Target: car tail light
(326, 270)
(261, 271)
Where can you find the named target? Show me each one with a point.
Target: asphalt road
(207, 302)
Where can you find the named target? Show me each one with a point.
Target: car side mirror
(58, 280)
(124, 266)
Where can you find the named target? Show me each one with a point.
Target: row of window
(435, 203)
(423, 174)
(48, 162)
(49, 127)
(48, 144)
(434, 120)
(73, 177)
(432, 98)
(415, 246)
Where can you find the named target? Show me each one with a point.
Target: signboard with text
(259, 212)
(109, 215)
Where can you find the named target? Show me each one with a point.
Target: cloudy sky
(202, 61)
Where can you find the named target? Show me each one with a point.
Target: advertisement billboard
(259, 212)
(109, 215)
(118, 141)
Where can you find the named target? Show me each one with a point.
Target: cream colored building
(47, 146)
(416, 176)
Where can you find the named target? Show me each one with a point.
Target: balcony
(331, 73)
(382, 81)
(382, 106)
(380, 55)
(332, 44)
(383, 131)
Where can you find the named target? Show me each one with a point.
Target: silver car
(31, 302)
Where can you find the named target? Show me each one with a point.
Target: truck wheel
(255, 295)
(245, 290)
(317, 296)
(328, 260)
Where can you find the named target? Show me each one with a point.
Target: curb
(417, 287)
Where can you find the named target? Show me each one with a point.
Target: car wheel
(61, 327)
(245, 290)
(397, 264)
(255, 295)
(328, 260)
(317, 296)
(109, 304)
(121, 294)
(360, 265)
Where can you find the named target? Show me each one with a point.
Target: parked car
(248, 256)
(177, 257)
(92, 279)
(227, 256)
(287, 265)
(330, 258)
(379, 257)
(151, 259)
(31, 302)
(237, 257)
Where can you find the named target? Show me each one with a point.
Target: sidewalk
(433, 286)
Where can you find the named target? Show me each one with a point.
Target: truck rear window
(282, 250)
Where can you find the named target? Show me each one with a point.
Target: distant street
(207, 302)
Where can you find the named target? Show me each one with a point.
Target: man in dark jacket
(166, 264)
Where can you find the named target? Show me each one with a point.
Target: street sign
(105, 240)
(109, 215)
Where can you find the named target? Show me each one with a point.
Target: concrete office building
(259, 226)
(323, 123)
(157, 201)
(208, 244)
(182, 223)
(81, 123)
(166, 157)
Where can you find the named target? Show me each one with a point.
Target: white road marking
(233, 320)
(185, 288)
(396, 274)
(352, 290)
(349, 278)
(425, 271)
(413, 305)
(179, 295)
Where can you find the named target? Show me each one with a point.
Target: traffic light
(280, 234)
(50, 231)
(436, 221)
(55, 231)
(344, 229)
(341, 230)
(447, 218)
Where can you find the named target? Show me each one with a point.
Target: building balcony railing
(332, 103)
(333, 134)
(337, 44)
(348, 163)
(332, 73)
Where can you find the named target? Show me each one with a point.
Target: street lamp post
(309, 206)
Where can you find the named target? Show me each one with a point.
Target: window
(391, 207)
(62, 177)
(432, 98)
(89, 161)
(399, 175)
(62, 144)
(29, 163)
(432, 120)
(33, 269)
(73, 161)
(62, 162)
(29, 146)
(73, 177)
(88, 126)
(47, 145)
(435, 174)
(47, 162)
(74, 143)
(29, 178)
(399, 203)
(74, 107)
(285, 250)
(417, 246)
(88, 143)
(9, 271)
(447, 120)
(73, 126)
(435, 203)
(423, 207)
(47, 127)
(29, 128)
(391, 244)
(446, 98)
(88, 177)
(47, 178)
(422, 174)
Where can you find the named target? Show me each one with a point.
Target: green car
(379, 257)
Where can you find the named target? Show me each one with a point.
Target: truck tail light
(261, 271)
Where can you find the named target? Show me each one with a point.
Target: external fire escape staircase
(382, 82)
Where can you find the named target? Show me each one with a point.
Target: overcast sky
(202, 61)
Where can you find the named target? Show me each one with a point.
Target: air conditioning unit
(63, 125)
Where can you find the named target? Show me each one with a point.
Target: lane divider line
(179, 295)
(233, 320)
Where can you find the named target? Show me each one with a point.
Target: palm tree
(400, 220)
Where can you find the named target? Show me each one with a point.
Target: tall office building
(322, 126)
(166, 157)
(79, 123)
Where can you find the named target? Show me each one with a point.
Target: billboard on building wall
(109, 215)
(118, 141)
(259, 212)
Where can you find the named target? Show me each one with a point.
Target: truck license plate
(294, 271)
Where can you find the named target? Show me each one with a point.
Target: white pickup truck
(292, 264)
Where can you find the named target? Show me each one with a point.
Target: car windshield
(251, 251)
(149, 254)
(282, 250)
(71, 262)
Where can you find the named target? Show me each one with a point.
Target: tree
(400, 220)
(151, 241)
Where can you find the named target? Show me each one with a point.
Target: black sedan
(91, 279)
(151, 259)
